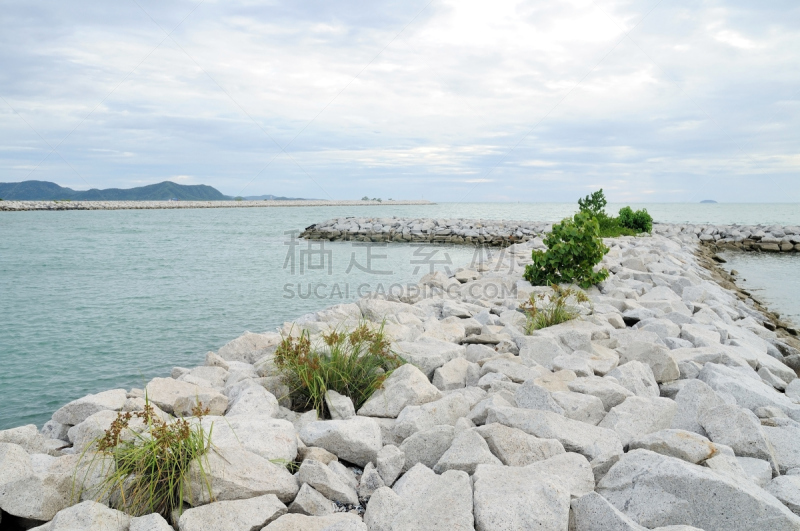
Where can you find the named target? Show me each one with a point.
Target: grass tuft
(559, 307)
(150, 466)
(354, 364)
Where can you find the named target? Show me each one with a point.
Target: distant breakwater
(21, 206)
(501, 233)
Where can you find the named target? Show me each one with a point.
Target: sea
(96, 300)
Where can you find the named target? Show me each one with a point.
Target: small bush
(353, 364)
(639, 221)
(611, 227)
(151, 467)
(594, 204)
(574, 249)
(561, 306)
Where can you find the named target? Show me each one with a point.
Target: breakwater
(22, 206)
(503, 233)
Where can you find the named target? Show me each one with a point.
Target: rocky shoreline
(25, 206)
(502, 233)
(672, 403)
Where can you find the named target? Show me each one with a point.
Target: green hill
(47, 191)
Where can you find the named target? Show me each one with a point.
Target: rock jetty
(22, 206)
(667, 405)
(503, 233)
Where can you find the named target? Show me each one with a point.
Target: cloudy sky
(450, 100)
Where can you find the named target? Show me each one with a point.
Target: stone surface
(514, 447)
(738, 428)
(692, 401)
(326, 482)
(253, 513)
(406, 386)
(579, 406)
(339, 406)
(79, 410)
(606, 389)
(179, 398)
(301, 522)
(511, 498)
(531, 396)
(453, 374)
(758, 470)
(88, 516)
(356, 440)
(592, 512)
(233, 474)
(370, 482)
(150, 522)
(310, 502)
(466, 452)
(250, 347)
(427, 446)
(445, 411)
(682, 444)
(317, 454)
(785, 442)
(255, 401)
(657, 357)
(590, 441)
(570, 470)
(787, 490)
(272, 439)
(540, 349)
(428, 354)
(656, 490)
(390, 463)
(637, 416)
(636, 377)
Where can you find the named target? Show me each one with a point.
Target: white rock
(699, 336)
(785, 442)
(383, 506)
(390, 463)
(150, 522)
(531, 396)
(339, 406)
(438, 503)
(540, 349)
(79, 410)
(28, 437)
(514, 447)
(370, 482)
(636, 377)
(571, 471)
(179, 398)
(234, 515)
(310, 502)
(326, 482)
(406, 386)
(758, 470)
(454, 374)
(637, 416)
(235, 474)
(657, 357)
(250, 347)
(590, 441)
(606, 389)
(692, 401)
(301, 522)
(427, 446)
(511, 498)
(254, 401)
(445, 411)
(428, 354)
(356, 440)
(466, 452)
(272, 439)
(682, 444)
(578, 406)
(656, 490)
(787, 490)
(88, 516)
(514, 370)
(738, 428)
(478, 413)
(592, 512)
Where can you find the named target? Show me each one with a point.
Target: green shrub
(639, 221)
(543, 310)
(594, 204)
(151, 466)
(353, 364)
(574, 248)
(610, 227)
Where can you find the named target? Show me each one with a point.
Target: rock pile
(502, 233)
(666, 405)
(22, 206)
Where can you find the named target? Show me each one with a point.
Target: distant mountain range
(47, 191)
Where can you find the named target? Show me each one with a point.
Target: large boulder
(572, 471)
(179, 398)
(272, 439)
(233, 473)
(445, 411)
(656, 356)
(466, 452)
(357, 440)
(429, 354)
(607, 390)
(150, 522)
(749, 393)
(427, 446)
(682, 444)
(637, 377)
(88, 516)
(250, 347)
(785, 443)
(29, 438)
(514, 447)
(406, 386)
(787, 490)
(540, 349)
(327, 482)
(301, 522)
(656, 490)
(638, 416)
(253, 400)
(692, 401)
(79, 410)
(512, 498)
(590, 441)
(738, 428)
(592, 512)
(253, 513)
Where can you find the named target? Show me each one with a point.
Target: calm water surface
(95, 300)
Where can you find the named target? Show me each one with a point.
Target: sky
(447, 100)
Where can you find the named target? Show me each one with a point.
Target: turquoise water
(92, 300)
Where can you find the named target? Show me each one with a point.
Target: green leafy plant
(610, 227)
(639, 221)
(543, 310)
(574, 248)
(594, 204)
(365, 198)
(150, 461)
(353, 364)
